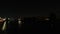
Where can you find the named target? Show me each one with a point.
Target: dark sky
(58, 10)
(34, 9)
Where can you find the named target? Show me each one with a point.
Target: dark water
(33, 27)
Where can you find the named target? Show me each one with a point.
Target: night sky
(28, 9)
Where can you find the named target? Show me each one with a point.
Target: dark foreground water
(33, 28)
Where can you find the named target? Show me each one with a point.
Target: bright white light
(19, 21)
(4, 19)
(47, 19)
(8, 18)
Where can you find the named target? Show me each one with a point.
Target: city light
(19, 21)
(4, 26)
(47, 19)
